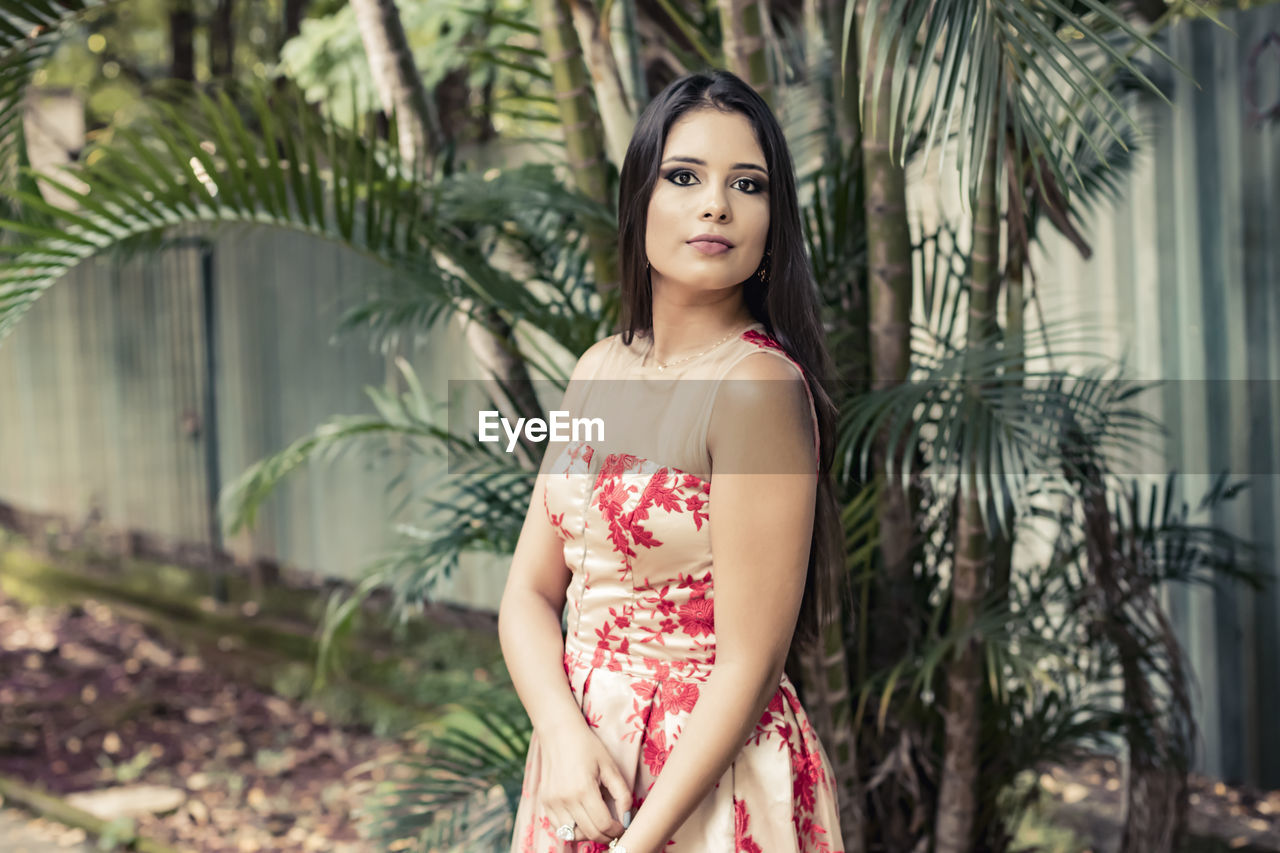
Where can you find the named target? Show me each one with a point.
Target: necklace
(663, 365)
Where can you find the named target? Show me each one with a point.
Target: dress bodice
(633, 510)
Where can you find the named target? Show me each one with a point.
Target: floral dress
(640, 635)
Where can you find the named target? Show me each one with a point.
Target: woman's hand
(577, 772)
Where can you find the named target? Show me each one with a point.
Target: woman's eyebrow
(697, 162)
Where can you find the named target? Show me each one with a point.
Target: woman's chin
(705, 283)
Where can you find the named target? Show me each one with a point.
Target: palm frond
(1010, 59)
(29, 33)
(700, 34)
(201, 164)
(982, 411)
(540, 233)
(481, 509)
(941, 280)
(478, 505)
(804, 107)
(833, 220)
(463, 783)
(1170, 547)
(406, 416)
(483, 474)
(1103, 156)
(22, 21)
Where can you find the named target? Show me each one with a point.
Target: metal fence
(136, 389)
(1186, 275)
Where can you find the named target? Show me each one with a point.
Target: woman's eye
(752, 188)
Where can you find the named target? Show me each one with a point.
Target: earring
(763, 272)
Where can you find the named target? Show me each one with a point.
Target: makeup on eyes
(760, 185)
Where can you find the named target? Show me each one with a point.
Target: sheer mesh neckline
(641, 351)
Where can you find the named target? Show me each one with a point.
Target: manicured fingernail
(626, 819)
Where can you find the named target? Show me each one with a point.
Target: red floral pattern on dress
(526, 843)
(613, 494)
(760, 339)
(557, 520)
(742, 842)
(697, 616)
(627, 528)
(582, 451)
(656, 752)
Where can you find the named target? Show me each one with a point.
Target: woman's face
(711, 180)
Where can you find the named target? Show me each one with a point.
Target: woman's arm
(575, 763)
(529, 622)
(761, 530)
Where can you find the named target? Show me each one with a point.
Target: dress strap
(757, 341)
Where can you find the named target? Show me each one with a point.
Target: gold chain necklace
(664, 365)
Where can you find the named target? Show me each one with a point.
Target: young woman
(663, 719)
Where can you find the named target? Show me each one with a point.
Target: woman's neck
(681, 330)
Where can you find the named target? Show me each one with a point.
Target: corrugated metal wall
(1186, 275)
(105, 403)
(100, 391)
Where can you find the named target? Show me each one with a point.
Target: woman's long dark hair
(787, 304)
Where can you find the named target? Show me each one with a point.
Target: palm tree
(742, 22)
(997, 66)
(396, 77)
(584, 134)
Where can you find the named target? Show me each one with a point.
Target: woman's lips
(708, 247)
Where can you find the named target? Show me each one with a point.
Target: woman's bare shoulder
(591, 360)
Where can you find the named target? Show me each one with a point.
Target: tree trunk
(461, 122)
(742, 25)
(845, 86)
(508, 377)
(182, 26)
(400, 87)
(222, 40)
(627, 47)
(899, 811)
(1002, 567)
(962, 714)
(583, 134)
(825, 670)
(396, 77)
(1154, 692)
(616, 111)
(958, 793)
(829, 701)
(294, 11)
(890, 295)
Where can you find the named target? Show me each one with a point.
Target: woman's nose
(717, 207)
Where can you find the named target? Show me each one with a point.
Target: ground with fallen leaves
(90, 700)
(1087, 798)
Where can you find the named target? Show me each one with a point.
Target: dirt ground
(1087, 798)
(21, 833)
(91, 700)
(88, 700)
